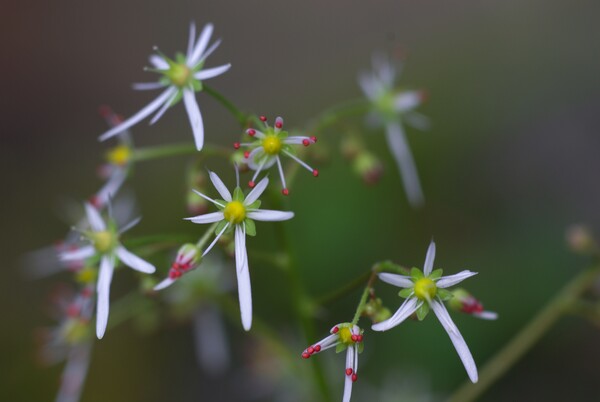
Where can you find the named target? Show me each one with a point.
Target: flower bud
(368, 167)
(580, 239)
(351, 146)
(188, 258)
(464, 302)
(238, 158)
(376, 311)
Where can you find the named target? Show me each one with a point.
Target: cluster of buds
(188, 258)
(376, 311)
(464, 302)
(364, 163)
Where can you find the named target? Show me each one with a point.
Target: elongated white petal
(193, 112)
(142, 114)
(207, 53)
(348, 378)
(365, 81)
(74, 373)
(130, 225)
(147, 86)
(417, 120)
(133, 261)
(268, 215)
(257, 191)
(328, 342)
(200, 44)
(397, 280)
(220, 186)
(165, 106)
(111, 187)
(207, 198)
(165, 283)
(429, 259)
(406, 310)
(95, 220)
(486, 315)
(78, 254)
(385, 70)
(103, 290)
(258, 160)
(457, 340)
(451, 280)
(217, 237)
(210, 340)
(207, 218)
(158, 62)
(191, 40)
(408, 100)
(406, 165)
(243, 278)
(212, 72)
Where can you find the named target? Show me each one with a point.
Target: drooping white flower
(391, 108)
(180, 79)
(425, 290)
(237, 213)
(344, 336)
(270, 144)
(105, 246)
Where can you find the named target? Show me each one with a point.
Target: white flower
(180, 79)
(106, 246)
(390, 108)
(343, 336)
(237, 213)
(270, 144)
(424, 291)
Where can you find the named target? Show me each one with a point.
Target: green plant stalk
(241, 117)
(202, 241)
(169, 150)
(527, 337)
(332, 115)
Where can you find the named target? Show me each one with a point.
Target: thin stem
(241, 117)
(165, 151)
(365, 295)
(527, 337)
(200, 244)
(335, 113)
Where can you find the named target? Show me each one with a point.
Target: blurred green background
(510, 162)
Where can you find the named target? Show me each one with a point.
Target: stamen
(354, 338)
(303, 164)
(251, 184)
(317, 348)
(281, 175)
(251, 132)
(246, 154)
(335, 330)
(305, 142)
(315, 173)
(236, 145)
(359, 338)
(313, 139)
(263, 118)
(285, 191)
(310, 350)
(349, 371)
(305, 355)
(354, 377)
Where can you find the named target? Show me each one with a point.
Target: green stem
(165, 151)
(200, 244)
(241, 117)
(365, 295)
(527, 337)
(335, 113)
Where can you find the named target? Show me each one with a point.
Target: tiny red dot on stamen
(72, 311)
(285, 191)
(305, 355)
(246, 154)
(354, 338)
(263, 118)
(349, 371)
(104, 111)
(354, 377)
(335, 330)
(87, 292)
(236, 145)
(305, 142)
(315, 173)
(251, 184)
(310, 350)
(279, 124)
(317, 348)
(251, 132)
(359, 338)
(313, 138)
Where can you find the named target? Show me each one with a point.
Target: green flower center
(103, 241)
(425, 289)
(345, 336)
(272, 144)
(179, 74)
(235, 212)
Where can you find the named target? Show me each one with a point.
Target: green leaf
(422, 311)
(361, 347)
(254, 205)
(238, 194)
(250, 227)
(436, 274)
(340, 347)
(406, 293)
(444, 294)
(416, 273)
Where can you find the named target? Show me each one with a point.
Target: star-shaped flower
(425, 290)
(105, 247)
(181, 77)
(269, 145)
(237, 213)
(345, 336)
(390, 108)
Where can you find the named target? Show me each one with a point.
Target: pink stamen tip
(105, 111)
(251, 132)
(279, 124)
(72, 311)
(251, 184)
(305, 355)
(263, 118)
(317, 348)
(354, 377)
(354, 338)
(87, 292)
(349, 371)
(246, 154)
(285, 191)
(310, 350)
(95, 201)
(359, 338)
(236, 145)
(315, 173)
(423, 95)
(305, 142)
(313, 138)
(335, 330)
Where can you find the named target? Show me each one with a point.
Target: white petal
(164, 284)
(130, 225)
(74, 373)
(406, 165)
(146, 86)
(94, 218)
(79, 253)
(384, 69)
(268, 215)
(451, 280)
(103, 290)
(243, 278)
(216, 239)
(165, 106)
(348, 378)
(365, 81)
(397, 280)
(328, 342)
(211, 72)
(208, 198)
(142, 114)
(297, 140)
(111, 187)
(191, 40)
(404, 311)
(408, 100)
(193, 112)
(429, 259)
(256, 191)
(220, 186)
(133, 261)
(207, 218)
(200, 45)
(158, 62)
(417, 120)
(457, 340)
(486, 315)
(257, 156)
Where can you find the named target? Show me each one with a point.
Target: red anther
(251, 184)
(263, 118)
(285, 191)
(104, 111)
(359, 338)
(349, 371)
(236, 145)
(95, 201)
(310, 350)
(354, 377)
(313, 138)
(335, 330)
(279, 124)
(305, 142)
(246, 154)
(86, 292)
(251, 132)
(354, 338)
(72, 310)
(305, 355)
(317, 348)
(315, 173)
(423, 95)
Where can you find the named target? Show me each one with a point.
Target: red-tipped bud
(236, 145)
(313, 138)
(251, 184)
(335, 330)
(263, 118)
(310, 350)
(359, 338)
(105, 111)
(354, 377)
(305, 355)
(285, 191)
(354, 338)
(315, 173)
(317, 348)
(305, 142)
(278, 124)
(251, 132)
(246, 154)
(349, 371)
(95, 201)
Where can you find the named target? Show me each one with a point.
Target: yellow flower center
(272, 144)
(74, 331)
(86, 276)
(179, 74)
(103, 241)
(119, 155)
(235, 212)
(345, 336)
(425, 289)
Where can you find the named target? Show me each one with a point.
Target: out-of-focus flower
(180, 78)
(269, 145)
(344, 336)
(581, 240)
(425, 290)
(464, 302)
(105, 246)
(390, 108)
